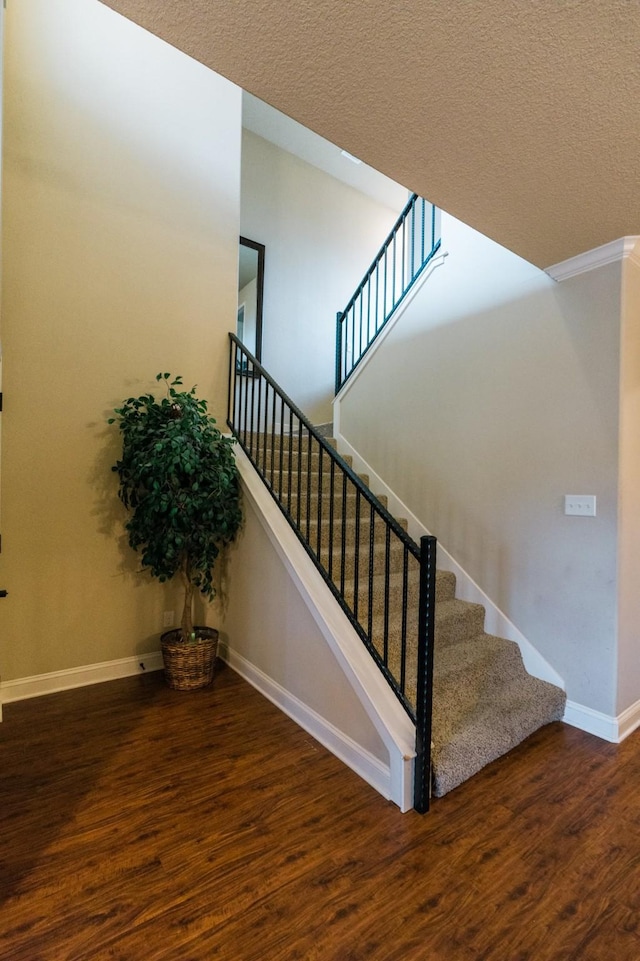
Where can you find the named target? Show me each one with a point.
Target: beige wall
(501, 396)
(629, 529)
(120, 220)
(320, 236)
(277, 635)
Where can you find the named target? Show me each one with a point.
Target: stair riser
(290, 442)
(394, 562)
(291, 503)
(265, 461)
(444, 591)
(459, 627)
(313, 482)
(349, 525)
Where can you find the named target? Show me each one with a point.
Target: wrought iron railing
(383, 581)
(412, 243)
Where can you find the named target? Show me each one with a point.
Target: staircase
(467, 692)
(484, 701)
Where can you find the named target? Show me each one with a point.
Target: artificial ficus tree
(179, 480)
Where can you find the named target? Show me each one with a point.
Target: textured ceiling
(521, 119)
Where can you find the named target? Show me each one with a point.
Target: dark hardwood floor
(140, 824)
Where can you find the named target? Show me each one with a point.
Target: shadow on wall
(485, 423)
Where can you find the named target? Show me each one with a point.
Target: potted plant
(179, 480)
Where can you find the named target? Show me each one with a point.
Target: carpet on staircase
(484, 701)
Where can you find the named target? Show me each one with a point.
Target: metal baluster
(403, 634)
(281, 448)
(413, 240)
(339, 328)
(353, 337)
(266, 429)
(299, 507)
(343, 539)
(372, 538)
(356, 557)
(258, 423)
(331, 509)
(361, 301)
(308, 518)
(384, 316)
(273, 437)
(403, 274)
(253, 413)
(245, 398)
(368, 312)
(319, 536)
(290, 460)
(385, 635)
(393, 276)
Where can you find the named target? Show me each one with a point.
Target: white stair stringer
(394, 780)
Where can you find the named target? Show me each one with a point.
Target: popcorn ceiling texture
(520, 119)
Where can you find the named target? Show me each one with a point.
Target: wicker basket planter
(188, 667)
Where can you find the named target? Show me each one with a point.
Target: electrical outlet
(167, 619)
(583, 505)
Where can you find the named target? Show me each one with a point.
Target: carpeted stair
(484, 701)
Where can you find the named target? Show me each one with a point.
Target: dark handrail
(395, 269)
(313, 485)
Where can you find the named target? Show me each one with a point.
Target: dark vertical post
(253, 407)
(230, 386)
(412, 232)
(338, 351)
(424, 696)
(244, 391)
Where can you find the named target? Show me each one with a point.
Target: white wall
(120, 251)
(320, 236)
(500, 396)
(276, 634)
(629, 527)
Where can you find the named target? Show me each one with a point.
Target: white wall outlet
(583, 505)
(167, 619)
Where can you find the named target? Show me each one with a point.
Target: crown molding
(611, 253)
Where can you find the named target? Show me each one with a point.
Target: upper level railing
(382, 580)
(413, 241)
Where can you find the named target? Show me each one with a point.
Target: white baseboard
(40, 684)
(628, 721)
(362, 762)
(614, 729)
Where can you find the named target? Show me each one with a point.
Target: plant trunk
(187, 615)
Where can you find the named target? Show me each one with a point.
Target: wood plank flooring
(143, 824)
